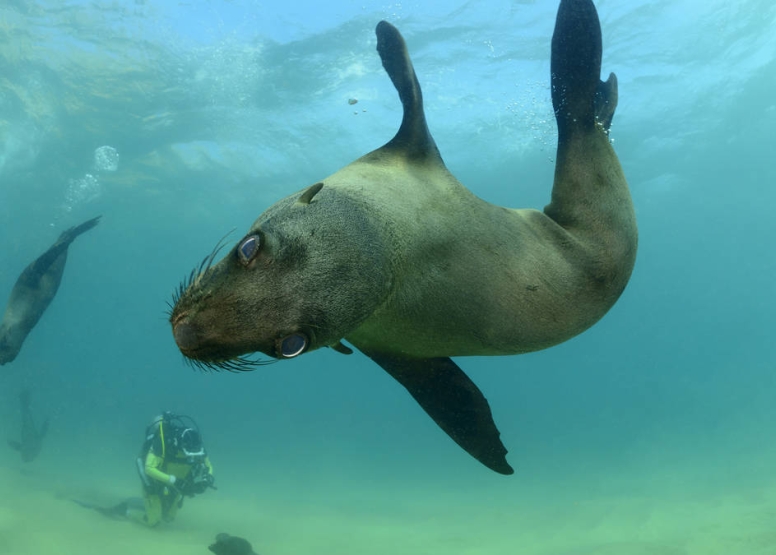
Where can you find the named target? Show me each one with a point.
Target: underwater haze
(653, 433)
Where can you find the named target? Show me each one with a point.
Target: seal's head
(307, 272)
(10, 343)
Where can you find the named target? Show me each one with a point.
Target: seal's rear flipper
(579, 97)
(70, 234)
(606, 101)
(41, 265)
(413, 140)
(449, 397)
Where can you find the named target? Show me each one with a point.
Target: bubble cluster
(87, 188)
(81, 190)
(106, 159)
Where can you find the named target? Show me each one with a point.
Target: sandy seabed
(38, 517)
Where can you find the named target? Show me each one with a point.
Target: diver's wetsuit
(161, 498)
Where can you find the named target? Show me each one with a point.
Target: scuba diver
(172, 464)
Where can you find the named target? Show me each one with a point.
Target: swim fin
(118, 511)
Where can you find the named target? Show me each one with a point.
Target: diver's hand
(174, 485)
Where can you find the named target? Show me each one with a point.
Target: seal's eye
(248, 248)
(292, 345)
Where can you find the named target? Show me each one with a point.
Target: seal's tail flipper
(454, 402)
(579, 97)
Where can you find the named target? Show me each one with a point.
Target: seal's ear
(311, 191)
(340, 348)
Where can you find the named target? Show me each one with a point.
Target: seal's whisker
(202, 265)
(220, 245)
(200, 270)
(238, 364)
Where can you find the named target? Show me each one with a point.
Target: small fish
(32, 437)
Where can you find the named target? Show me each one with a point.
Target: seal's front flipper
(16, 445)
(579, 97)
(454, 402)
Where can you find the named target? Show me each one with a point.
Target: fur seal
(31, 436)
(231, 545)
(33, 292)
(394, 255)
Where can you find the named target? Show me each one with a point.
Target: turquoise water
(652, 433)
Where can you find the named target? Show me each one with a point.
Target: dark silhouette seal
(394, 255)
(33, 292)
(31, 435)
(231, 545)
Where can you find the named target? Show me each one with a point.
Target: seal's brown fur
(396, 256)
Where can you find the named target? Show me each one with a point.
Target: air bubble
(106, 159)
(80, 191)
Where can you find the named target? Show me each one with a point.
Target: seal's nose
(185, 335)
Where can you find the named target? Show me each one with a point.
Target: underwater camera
(198, 480)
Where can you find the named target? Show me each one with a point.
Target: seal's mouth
(200, 347)
(185, 334)
(210, 356)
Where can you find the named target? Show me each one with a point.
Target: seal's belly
(493, 281)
